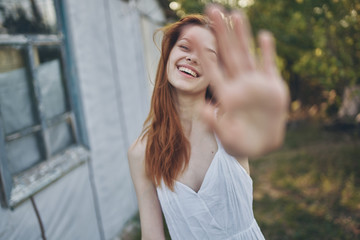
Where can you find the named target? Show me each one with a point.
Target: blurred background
(310, 188)
(75, 83)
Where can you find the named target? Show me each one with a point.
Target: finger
(244, 41)
(268, 53)
(211, 69)
(225, 40)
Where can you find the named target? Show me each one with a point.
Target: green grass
(308, 189)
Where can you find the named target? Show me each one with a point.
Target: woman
(191, 161)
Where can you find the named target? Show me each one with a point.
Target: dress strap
(216, 137)
(218, 142)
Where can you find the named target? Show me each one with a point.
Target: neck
(189, 109)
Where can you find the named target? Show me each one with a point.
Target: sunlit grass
(309, 189)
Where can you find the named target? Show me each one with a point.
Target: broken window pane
(27, 17)
(16, 109)
(51, 81)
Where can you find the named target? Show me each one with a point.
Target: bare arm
(149, 206)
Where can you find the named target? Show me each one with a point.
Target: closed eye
(184, 47)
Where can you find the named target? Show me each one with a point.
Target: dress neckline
(206, 174)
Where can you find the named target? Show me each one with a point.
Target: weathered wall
(110, 56)
(20, 223)
(96, 199)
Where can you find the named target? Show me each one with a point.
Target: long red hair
(167, 150)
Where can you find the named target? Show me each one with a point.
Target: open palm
(252, 96)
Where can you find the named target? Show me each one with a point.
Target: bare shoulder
(136, 152)
(136, 158)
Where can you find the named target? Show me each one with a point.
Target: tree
(318, 42)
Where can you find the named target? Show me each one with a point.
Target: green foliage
(191, 6)
(318, 42)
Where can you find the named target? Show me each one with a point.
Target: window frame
(18, 188)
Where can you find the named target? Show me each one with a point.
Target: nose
(191, 58)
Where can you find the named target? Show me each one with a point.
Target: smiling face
(184, 69)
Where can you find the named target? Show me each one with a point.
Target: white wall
(96, 199)
(20, 223)
(151, 21)
(99, 74)
(110, 59)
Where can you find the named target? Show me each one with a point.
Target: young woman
(191, 161)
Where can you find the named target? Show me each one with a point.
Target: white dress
(221, 209)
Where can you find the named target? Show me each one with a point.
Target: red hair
(167, 149)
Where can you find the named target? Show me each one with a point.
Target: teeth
(189, 71)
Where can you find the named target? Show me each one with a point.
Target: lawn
(308, 189)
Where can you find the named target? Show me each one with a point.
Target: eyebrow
(206, 48)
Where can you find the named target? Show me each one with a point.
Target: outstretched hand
(253, 98)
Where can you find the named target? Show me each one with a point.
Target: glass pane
(27, 17)
(50, 79)
(61, 137)
(23, 153)
(16, 109)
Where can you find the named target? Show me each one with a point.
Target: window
(39, 137)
